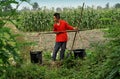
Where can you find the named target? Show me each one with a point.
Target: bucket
(79, 53)
(36, 57)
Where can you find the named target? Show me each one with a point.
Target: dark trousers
(57, 46)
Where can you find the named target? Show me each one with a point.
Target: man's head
(56, 16)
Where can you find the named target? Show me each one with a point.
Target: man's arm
(70, 27)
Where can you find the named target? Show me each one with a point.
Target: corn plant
(91, 19)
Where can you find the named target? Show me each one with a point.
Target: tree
(53, 9)
(107, 6)
(99, 7)
(39, 9)
(35, 6)
(25, 9)
(58, 9)
(117, 5)
(65, 9)
(6, 8)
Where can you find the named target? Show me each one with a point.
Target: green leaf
(25, 0)
(2, 23)
(8, 2)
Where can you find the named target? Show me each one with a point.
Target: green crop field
(91, 19)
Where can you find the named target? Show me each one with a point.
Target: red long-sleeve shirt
(63, 26)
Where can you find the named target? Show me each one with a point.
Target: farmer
(59, 28)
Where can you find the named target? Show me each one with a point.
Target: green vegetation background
(102, 62)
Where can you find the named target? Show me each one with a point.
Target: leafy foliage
(9, 46)
(114, 34)
(43, 20)
(117, 5)
(102, 62)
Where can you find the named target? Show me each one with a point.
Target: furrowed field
(100, 38)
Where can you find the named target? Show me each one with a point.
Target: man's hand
(76, 28)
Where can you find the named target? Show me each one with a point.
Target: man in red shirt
(60, 27)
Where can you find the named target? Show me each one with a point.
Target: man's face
(55, 19)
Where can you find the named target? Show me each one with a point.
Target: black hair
(57, 15)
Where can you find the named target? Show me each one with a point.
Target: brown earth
(46, 41)
(83, 39)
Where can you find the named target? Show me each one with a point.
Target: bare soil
(84, 39)
(46, 42)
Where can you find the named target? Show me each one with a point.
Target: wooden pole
(76, 31)
(52, 32)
